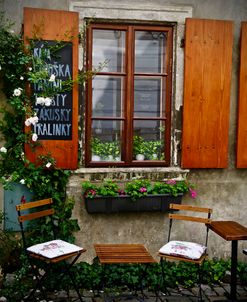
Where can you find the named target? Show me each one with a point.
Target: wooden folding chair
(48, 253)
(183, 250)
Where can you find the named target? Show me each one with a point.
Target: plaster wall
(222, 189)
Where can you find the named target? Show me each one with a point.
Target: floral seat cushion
(54, 248)
(185, 249)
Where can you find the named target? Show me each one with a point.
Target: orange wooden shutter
(242, 102)
(53, 25)
(207, 80)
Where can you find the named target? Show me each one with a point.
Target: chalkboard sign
(57, 129)
(55, 121)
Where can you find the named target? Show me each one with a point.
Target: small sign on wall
(55, 121)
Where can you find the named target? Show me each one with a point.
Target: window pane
(148, 140)
(109, 47)
(150, 51)
(106, 140)
(108, 95)
(148, 97)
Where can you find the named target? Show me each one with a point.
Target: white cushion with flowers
(185, 249)
(54, 248)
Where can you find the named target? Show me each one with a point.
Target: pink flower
(193, 193)
(143, 190)
(171, 181)
(90, 193)
(121, 192)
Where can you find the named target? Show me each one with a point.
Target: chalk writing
(55, 121)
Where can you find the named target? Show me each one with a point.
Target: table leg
(234, 262)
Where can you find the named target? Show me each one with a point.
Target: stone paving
(210, 294)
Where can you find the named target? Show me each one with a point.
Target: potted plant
(139, 147)
(105, 151)
(149, 150)
(136, 196)
(96, 149)
(154, 150)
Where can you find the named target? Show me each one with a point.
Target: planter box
(149, 203)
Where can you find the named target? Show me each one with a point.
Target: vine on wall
(19, 70)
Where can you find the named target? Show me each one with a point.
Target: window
(128, 107)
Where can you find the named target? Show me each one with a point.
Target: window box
(149, 203)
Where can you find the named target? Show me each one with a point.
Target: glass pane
(148, 97)
(106, 140)
(108, 95)
(109, 47)
(150, 47)
(148, 141)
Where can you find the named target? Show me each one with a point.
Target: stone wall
(222, 189)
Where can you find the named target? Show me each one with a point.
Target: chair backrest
(33, 210)
(195, 216)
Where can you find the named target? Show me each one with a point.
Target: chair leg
(200, 298)
(162, 285)
(37, 286)
(38, 279)
(74, 285)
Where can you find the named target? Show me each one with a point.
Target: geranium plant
(138, 188)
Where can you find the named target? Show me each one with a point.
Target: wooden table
(231, 231)
(124, 254)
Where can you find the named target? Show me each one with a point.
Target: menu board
(55, 120)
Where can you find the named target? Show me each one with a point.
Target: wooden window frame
(127, 118)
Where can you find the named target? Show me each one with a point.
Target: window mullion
(129, 95)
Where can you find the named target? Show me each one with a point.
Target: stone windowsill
(125, 174)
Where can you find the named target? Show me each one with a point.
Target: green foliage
(170, 187)
(137, 188)
(151, 149)
(19, 69)
(108, 188)
(9, 251)
(119, 276)
(242, 272)
(106, 150)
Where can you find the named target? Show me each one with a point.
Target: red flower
(23, 199)
(193, 193)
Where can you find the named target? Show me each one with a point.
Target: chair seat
(54, 248)
(190, 250)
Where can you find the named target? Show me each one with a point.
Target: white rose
(40, 100)
(22, 181)
(27, 122)
(48, 101)
(30, 68)
(48, 165)
(34, 137)
(52, 78)
(17, 92)
(3, 150)
(21, 78)
(34, 120)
